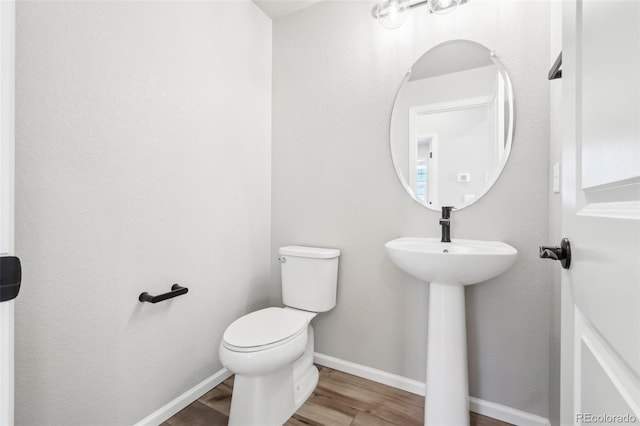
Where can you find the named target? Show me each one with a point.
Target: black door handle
(561, 253)
(10, 277)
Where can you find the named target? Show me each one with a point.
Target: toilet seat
(265, 329)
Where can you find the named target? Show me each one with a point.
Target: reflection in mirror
(452, 125)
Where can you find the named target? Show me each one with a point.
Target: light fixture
(392, 13)
(443, 6)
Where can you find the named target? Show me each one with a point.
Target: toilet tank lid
(311, 252)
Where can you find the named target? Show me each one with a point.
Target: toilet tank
(309, 277)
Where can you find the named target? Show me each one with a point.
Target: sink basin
(448, 267)
(460, 261)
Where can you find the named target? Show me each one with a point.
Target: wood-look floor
(339, 400)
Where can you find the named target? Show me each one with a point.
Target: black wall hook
(176, 290)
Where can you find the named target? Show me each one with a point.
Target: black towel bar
(176, 290)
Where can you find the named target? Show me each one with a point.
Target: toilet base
(271, 399)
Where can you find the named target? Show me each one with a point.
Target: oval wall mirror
(452, 125)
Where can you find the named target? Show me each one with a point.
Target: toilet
(271, 350)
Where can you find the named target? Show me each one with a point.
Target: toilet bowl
(271, 350)
(265, 340)
(273, 378)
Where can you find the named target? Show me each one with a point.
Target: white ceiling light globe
(392, 13)
(443, 6)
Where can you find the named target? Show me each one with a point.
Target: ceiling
(276, 9)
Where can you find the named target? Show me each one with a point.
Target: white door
(7, 14)
(601, 212)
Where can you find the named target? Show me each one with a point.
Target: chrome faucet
(445, 221)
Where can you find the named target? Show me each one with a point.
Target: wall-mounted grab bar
(176, 290)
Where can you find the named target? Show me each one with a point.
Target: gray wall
(137, 167)
(336, 72)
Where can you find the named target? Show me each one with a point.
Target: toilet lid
(265, 327)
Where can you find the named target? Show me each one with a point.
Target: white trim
(577, 365)
(372, 374)
(413, 155)
(7, 125)
(172, 407)
(432, 163)
(456, 105)
(618, 200)
(7, 159)
(615, 368)
(500, 135)
(615, 210)
(486, 408)
(506, 414)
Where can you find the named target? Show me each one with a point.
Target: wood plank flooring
(340, 399)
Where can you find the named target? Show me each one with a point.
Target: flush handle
(561, 253)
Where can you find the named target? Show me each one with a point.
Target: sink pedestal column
(447, 393)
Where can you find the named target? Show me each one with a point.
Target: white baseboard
(172, 407)
(486, 408)
(506, 414)
(372, 374)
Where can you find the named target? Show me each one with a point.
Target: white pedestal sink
(448, 267)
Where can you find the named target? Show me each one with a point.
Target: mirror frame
(510, 133)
